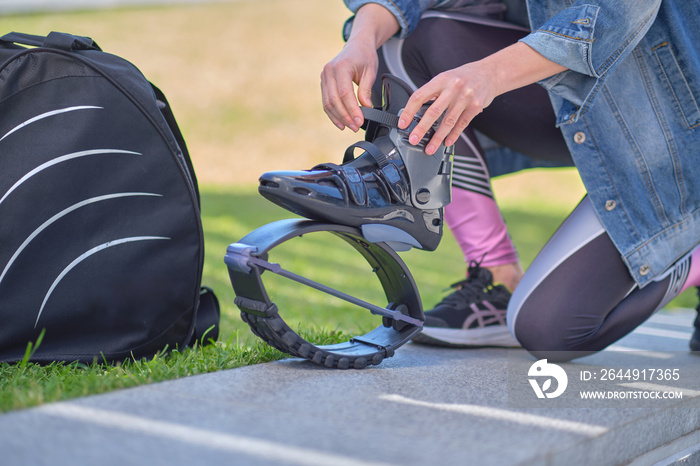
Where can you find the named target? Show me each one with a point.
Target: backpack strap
(69, 42)
(23, 39)
(167, 113)
(55, 40)
(206, 325)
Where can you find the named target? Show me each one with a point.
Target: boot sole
(408, 219)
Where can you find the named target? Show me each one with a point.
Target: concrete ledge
(423, 406)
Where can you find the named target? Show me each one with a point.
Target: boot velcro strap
(392, 121)
(396, 183)
(381, 117)
(368, 147)
(388, 170)
(326, 166)
(348, 180)
(354, 181)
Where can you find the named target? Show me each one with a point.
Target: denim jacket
(408, 12)
(628, 108)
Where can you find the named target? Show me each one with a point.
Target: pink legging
(476, 222)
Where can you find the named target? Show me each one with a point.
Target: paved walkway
(424, 406)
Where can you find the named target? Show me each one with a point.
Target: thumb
(364, 90)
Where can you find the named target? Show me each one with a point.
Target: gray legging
(577, 297)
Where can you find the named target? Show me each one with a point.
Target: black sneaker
(393, 191)
(474, 315)
(695, 339)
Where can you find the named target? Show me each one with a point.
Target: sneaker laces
(478, 283)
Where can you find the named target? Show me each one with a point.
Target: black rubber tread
(264, 319)
(275, 332)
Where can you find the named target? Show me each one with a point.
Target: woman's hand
(357, 64)
(462, 93)
(458, 96)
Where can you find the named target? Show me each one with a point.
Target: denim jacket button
(643, 270)
(610, 205)
(580, 137)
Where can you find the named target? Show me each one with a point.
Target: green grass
(27, 384)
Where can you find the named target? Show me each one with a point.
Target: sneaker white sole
(497, 335)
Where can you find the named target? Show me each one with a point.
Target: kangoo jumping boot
(393, 191)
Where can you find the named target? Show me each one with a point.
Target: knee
(538, 336)
(547, 343)
(546, 338)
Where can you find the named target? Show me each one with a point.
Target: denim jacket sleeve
(408, 12)
(589, 38)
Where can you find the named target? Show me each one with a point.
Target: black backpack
(101, 243)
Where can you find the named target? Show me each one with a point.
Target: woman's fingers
(457, 97)
(354, 65)
(338, 97)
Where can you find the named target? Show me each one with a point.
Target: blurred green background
(243, 80)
